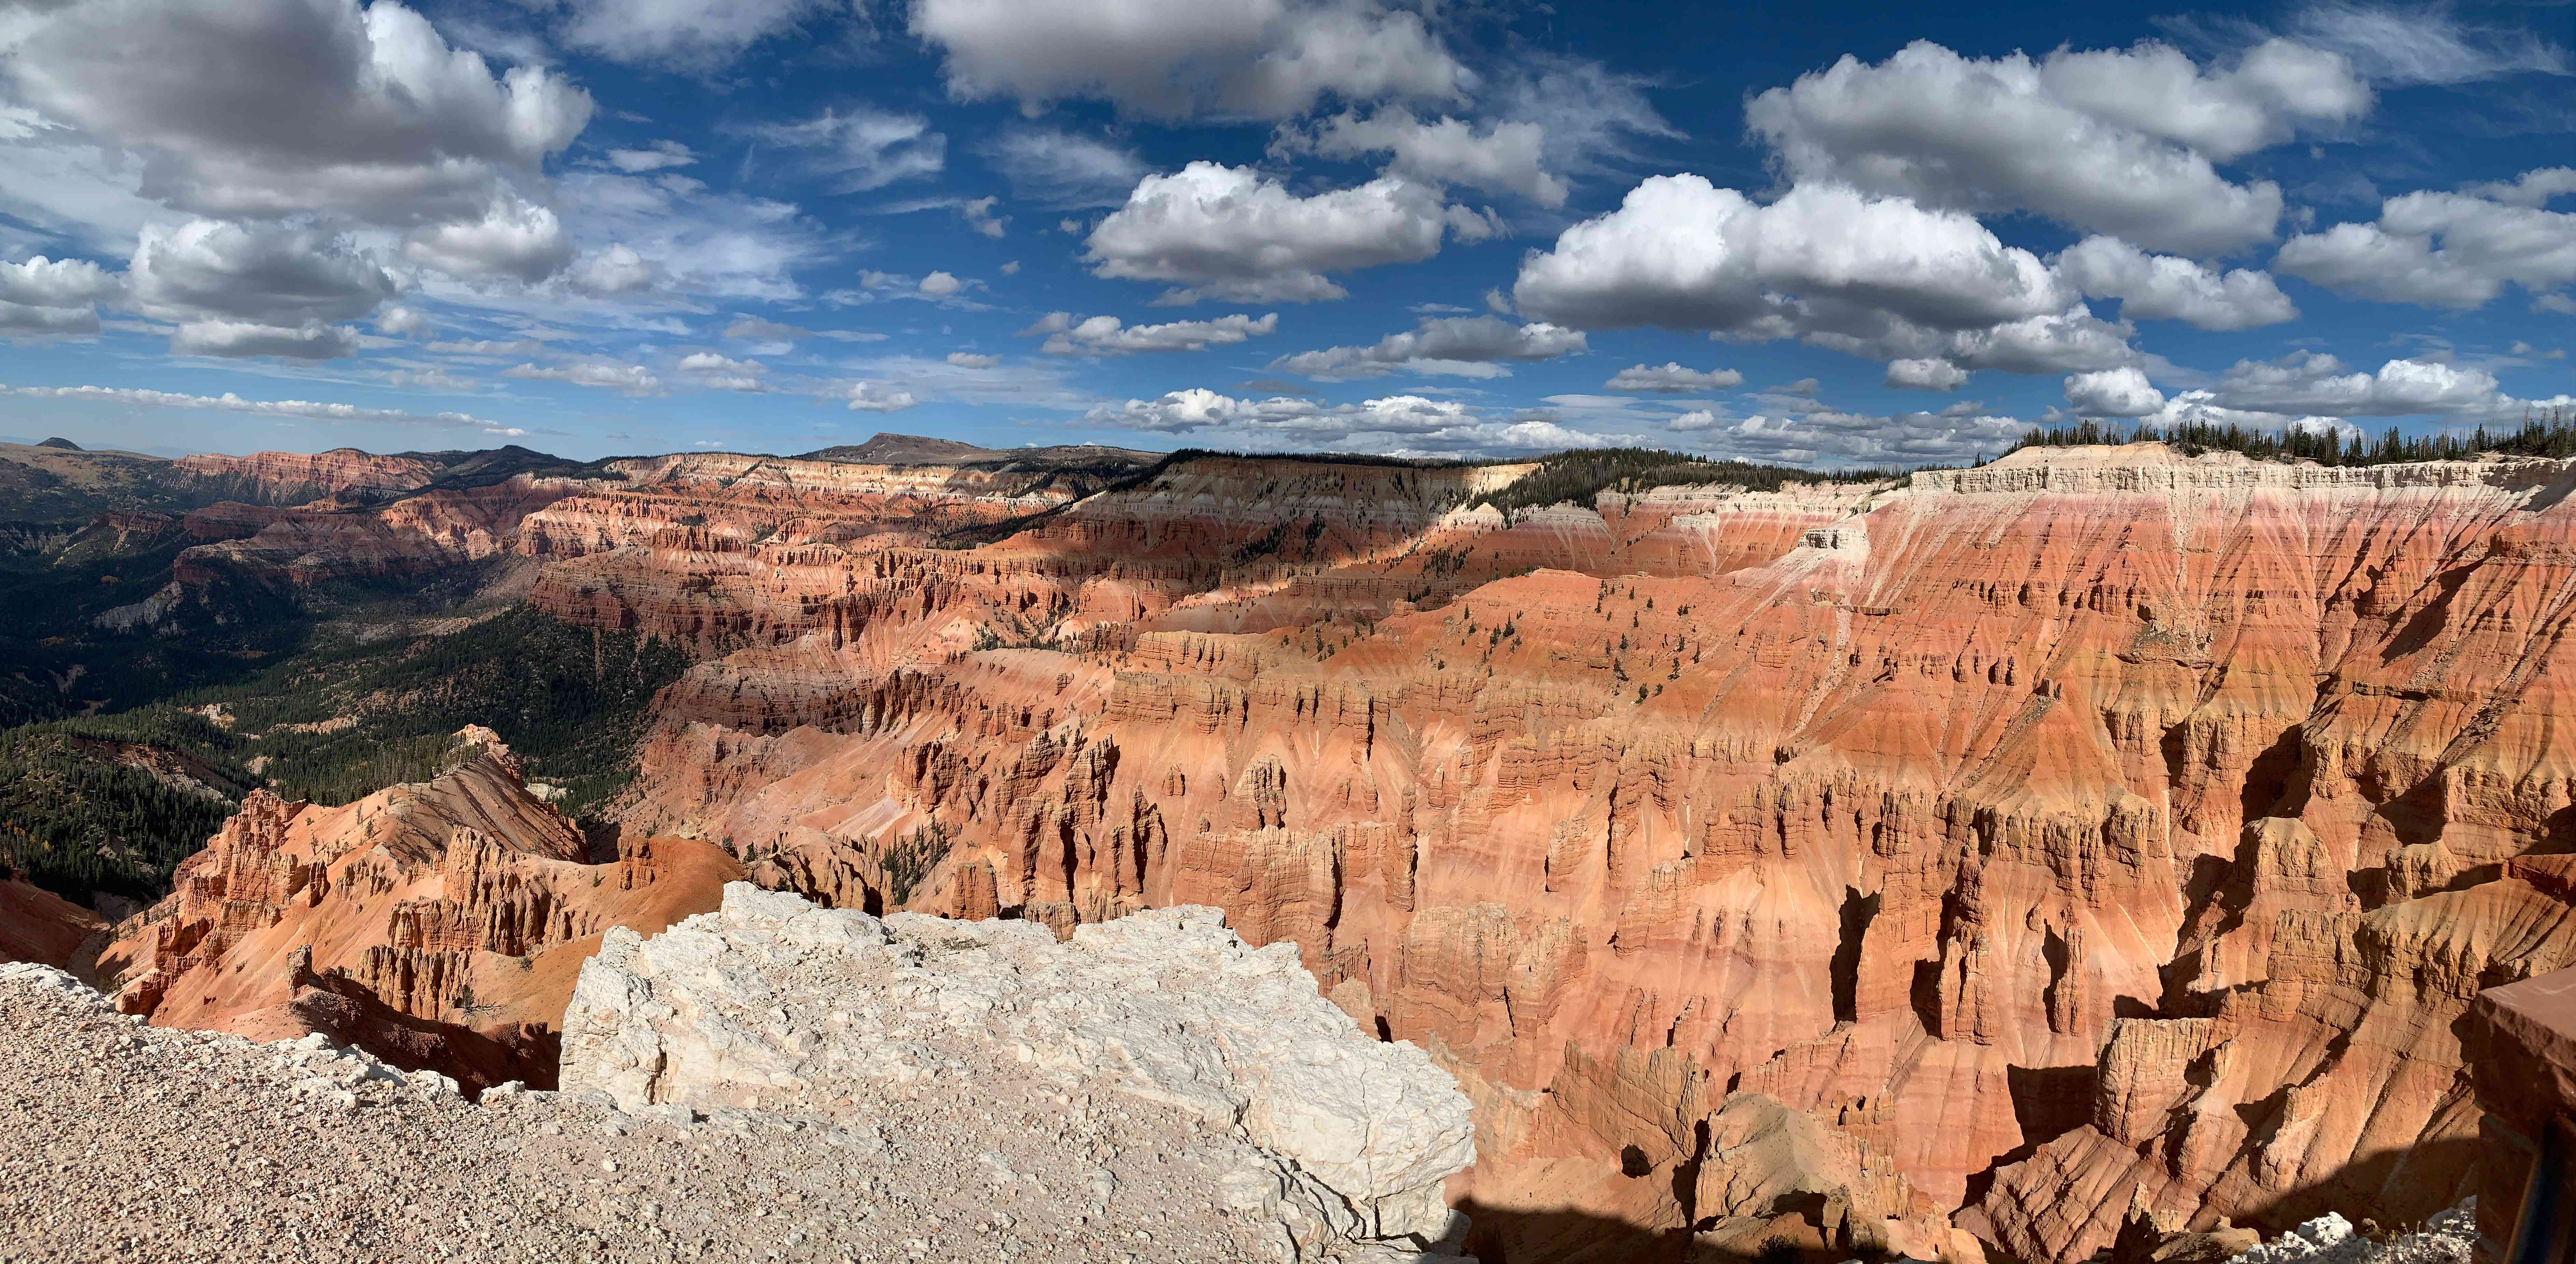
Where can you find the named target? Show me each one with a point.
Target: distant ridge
(60, 442)
(898, 449)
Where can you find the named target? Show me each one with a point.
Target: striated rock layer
(1990, 858)
(775, 1003)
(440, 925)
(2094, 819)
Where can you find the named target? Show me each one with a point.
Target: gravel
(124, 1141)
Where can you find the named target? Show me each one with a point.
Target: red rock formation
(40, 926)
(439, 924)
(292, 478)
(2017, 823)
(2101, 837)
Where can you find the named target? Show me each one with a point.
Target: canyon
(1953, 865)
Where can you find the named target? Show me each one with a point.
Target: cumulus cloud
(626, 379)
(1177, 58)
(261, 108)
(1284, 418)
(2453, 250)
(712, 362)
(49, 298)
(1672, 379)
(231, 403)
(2122, 392)
(619, 269)
(1460, 346)
(1068, 334)
(1229, 232)
(877, 397)
(2163, 287)
(1924, 375)
(401, 322)
(970, 360)
(1506, 157)
(2120, 142)
(863, 149)
(1682, 253)
(254, 290)
(513, 239)
(2307, 382)
(682, 34)
(1695, 419)
(940, 285)
(1055, 168)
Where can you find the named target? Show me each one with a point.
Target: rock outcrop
(440, 925)
(2093, 819)
(773, 1002)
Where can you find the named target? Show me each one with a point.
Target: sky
(1824, 234)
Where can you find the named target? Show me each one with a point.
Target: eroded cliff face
(1993, 857)
(294, 478)
(2092, 819)
(439, 925)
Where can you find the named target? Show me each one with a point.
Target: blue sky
(1826, 235)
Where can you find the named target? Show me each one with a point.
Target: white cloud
(1010, 269)
(2307, 382)
(1672, 379)
(401, 322)
(877, 397)
(1502, 156)
(281, 107)
(1067, 334)
(237, 339)
(980, 217)
(970, 360)
(940, 285)
(617, 270)
(2122, 392)
(2120, 142)
(680, 238)
(50, 298)
(662, 155)
(1696, 419)
(1282, 416)
(242, 290)
(627, 379)
(1054, 168)
(1682, 253)
(1177, 58)
(514, 239)
(2415, 45)
(684, 34)
(863, 149)
(1228, 232)
(1461, 346)
(231, 403)
(1924, 375)
(2163, 287)
(711, 362)
(2444, 249)
(2531, 188)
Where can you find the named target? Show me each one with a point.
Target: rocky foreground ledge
(772, 1081)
